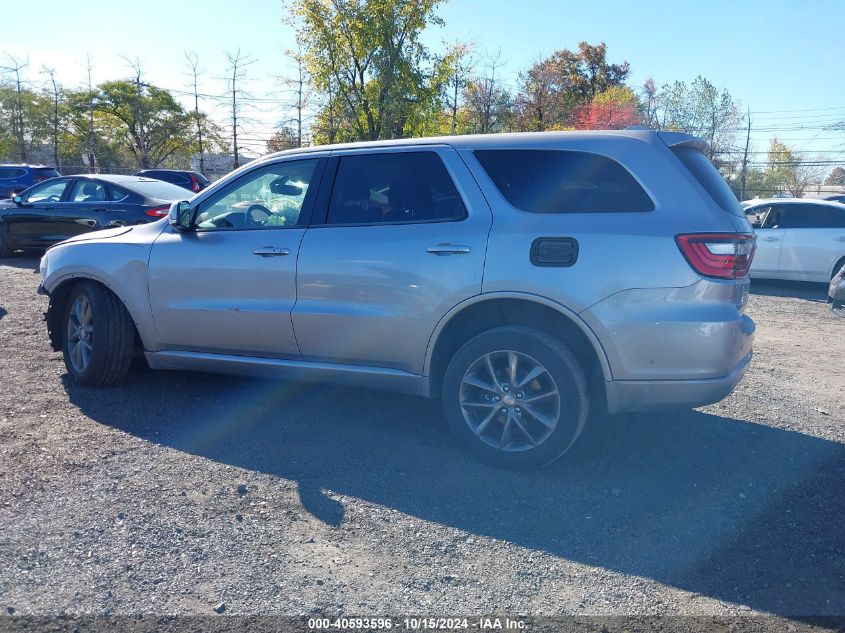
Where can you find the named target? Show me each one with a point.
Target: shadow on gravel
(27, 260)
(796, 289)
(722, 507)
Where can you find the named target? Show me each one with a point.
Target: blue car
(15, 178)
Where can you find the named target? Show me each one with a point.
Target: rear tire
(98, 336)
(527, 411)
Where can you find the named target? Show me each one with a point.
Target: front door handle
(99, 209)
(841, 238)
(271, 251)
(770, 239)
(448, 249)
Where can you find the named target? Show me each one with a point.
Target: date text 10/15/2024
(417, 623)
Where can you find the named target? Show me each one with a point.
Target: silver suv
(523, 279)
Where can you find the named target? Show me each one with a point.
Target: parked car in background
(836, 197)
(518, 277)
(15, 178)
(191, 180)
(797, 238)
(60, 208)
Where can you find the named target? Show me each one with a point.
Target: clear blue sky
(783, 59)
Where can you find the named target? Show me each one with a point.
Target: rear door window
(561, 181)
(9, 173)
(709, 178)
(392, 188)
(813, 216)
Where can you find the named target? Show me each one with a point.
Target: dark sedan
(190, 180)
(59, 208)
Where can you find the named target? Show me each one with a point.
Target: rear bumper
(646, 395)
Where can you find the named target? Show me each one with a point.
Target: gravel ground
(174, 493)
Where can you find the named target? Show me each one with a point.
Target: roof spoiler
(679, 139)
(675, 139)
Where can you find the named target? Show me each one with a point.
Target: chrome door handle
(271, 251)
(448, 249)
(841, 238)
(770, 239)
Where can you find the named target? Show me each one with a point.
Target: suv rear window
(709, 178)
(563, 181)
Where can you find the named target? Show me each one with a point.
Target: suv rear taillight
(719, 255)
(158, 212)
(39, 178)
(195, 185)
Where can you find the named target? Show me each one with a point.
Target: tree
(836, 177)
(787, 172)
(147, 125)
(15, 67)
(193, 63)
(649, 103)
(459, 63)
(236, 73)
(701, 109)
(282, 139)
(58, 112)
(614, 109)
(553, 88)
(487, 105)
(368, 54)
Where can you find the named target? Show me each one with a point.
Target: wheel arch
(486, 311)
(58, 297)
(839, 263)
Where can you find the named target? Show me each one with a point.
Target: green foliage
(366, 60)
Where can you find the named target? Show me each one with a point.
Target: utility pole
(744, 174)
(193, 62)
(91, 149)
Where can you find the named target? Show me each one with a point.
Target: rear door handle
(448, 249)
(271, 251)
(841, 238)
(99, 209)
(770, 239)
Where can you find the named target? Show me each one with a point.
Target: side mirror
(17, 199)
(181, 216)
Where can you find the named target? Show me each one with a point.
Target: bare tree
(143, 149)
(460, 67)
(16, 67)
(237, 73)
(193, 63)
(55, 93)
(300, 84)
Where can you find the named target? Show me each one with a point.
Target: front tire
(516, 397)
(98, 336)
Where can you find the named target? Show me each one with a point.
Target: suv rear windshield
(709, 178)
(561, 181)
(47, 172)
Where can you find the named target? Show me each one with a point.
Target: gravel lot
(174, 493)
